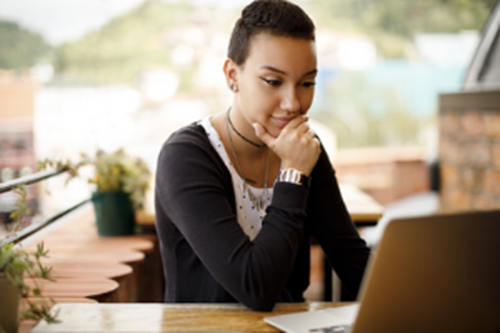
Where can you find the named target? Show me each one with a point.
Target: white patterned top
(249, 216)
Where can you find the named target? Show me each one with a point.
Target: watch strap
(294, 176)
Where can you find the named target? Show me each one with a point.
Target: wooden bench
(133, 259)
(76, 241)
(120, 273)
(99, 289)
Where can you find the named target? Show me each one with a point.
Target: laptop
(436, 273)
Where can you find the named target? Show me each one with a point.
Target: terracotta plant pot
(9, 305)
(114, 213)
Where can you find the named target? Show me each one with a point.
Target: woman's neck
(243, 137)
(244, 131)
(251, 159)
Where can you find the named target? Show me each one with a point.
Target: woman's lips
(282, 121)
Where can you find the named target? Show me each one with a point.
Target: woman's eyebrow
(274, 69)
(314, 71)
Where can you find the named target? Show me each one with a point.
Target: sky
(59, 21)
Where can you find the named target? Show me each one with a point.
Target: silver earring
(234, 87)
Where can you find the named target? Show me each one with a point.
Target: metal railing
(30, 179)
(27, 180)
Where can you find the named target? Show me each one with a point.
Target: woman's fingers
(297, 145)
(298, 123)
(304, 128)
(262, 134)
(310, 133)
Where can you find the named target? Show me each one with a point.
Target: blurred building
(469, 130)
(17, 154)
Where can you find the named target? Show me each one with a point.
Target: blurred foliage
(350, 109)
(349, 106)
(393, 23)
(145, 38)
(113, 171)
(117, 171)
(121, 50)
(20, 48)
(19, 266)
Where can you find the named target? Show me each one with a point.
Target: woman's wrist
(294, 176)
(302, 167)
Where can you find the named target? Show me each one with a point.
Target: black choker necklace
(241, 135)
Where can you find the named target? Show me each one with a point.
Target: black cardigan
(206, 255)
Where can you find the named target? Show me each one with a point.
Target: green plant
(113, 171)
(21, 212)
(17, 263)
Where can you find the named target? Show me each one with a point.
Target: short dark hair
(277, 17)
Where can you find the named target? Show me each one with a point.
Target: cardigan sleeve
(195, 192)
(330, 224)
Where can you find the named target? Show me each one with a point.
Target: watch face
(291, 176)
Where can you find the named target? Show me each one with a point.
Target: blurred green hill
(145, 37)
(20, 48)
(393, 23)
(126, 46)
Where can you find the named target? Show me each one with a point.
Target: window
(484, 71)
(490, 73)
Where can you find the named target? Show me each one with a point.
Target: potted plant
(15, 265)
(121, 182)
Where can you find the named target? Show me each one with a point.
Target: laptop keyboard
(332, 329)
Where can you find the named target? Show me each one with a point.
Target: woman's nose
(290, 101)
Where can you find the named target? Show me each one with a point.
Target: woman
(239, 194)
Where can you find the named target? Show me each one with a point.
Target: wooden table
(157, 317)
(363, 209)
(27, 325)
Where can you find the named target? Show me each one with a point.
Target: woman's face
(276, 82)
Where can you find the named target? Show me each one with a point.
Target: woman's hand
(296, 145)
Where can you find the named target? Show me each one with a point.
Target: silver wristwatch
(294, 176)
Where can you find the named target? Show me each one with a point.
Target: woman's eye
(271, 82)
(308, 84)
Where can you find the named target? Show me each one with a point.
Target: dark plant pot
(114, 213)
(9, 305)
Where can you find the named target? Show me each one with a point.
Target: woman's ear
(230, 72)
